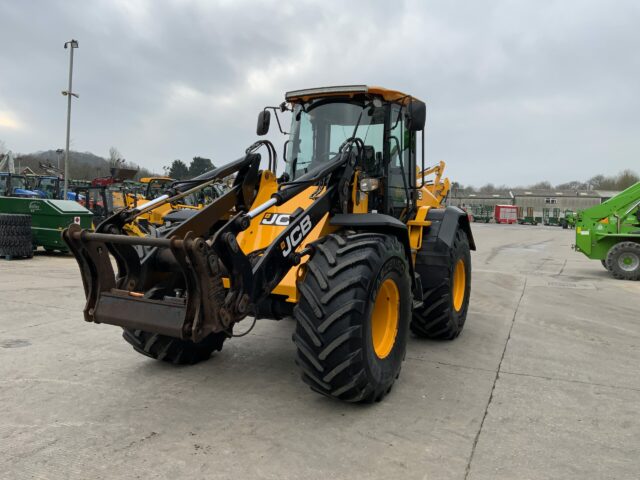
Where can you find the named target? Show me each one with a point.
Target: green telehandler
(610, 232)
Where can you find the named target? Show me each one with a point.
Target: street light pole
(72, 44)
(59, 151)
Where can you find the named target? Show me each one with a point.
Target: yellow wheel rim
(384, 318)
(459, 285)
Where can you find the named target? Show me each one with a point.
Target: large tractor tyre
(10, 219)
(446, 292)
(352, 318)
(623, 261)
(174, 350)
(15, 236)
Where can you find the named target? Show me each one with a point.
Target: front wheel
(353, 315)
(623, 261)
(174, 350)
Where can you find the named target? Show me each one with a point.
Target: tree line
(87, 166)
(618, 182)
(180, 171)
(82, 165)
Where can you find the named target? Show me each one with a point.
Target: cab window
(401, 146)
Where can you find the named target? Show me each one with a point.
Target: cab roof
(346, 90)
(151, 179)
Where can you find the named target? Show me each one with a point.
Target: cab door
(400, 149)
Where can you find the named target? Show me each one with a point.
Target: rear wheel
(623, 261)
(446, 290)
(174, 350)
(353, 315)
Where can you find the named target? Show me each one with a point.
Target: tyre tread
(331, 296)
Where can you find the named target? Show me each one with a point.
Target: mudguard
(374, 222)
(380, 223)
(445, 222)
(433, 259)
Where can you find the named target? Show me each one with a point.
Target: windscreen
(18, 182)
(48, 186)
(318, 131)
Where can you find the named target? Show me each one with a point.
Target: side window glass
(399, 163)
(303, 152)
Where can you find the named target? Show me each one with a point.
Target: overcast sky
(516, 91)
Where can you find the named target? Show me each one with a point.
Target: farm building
(537, 199)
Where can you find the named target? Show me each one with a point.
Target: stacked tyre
(15, 236)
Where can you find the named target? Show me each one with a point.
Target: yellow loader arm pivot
(433, 192)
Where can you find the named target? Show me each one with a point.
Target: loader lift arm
(139, 296)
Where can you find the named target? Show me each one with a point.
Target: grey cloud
(517, 91)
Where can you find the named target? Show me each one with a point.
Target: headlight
(369, 184)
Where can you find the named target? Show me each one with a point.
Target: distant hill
(82, 165)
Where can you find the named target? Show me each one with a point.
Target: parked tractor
(610, 232)
(156, 186)
(569, 219)
(16, 186)
(351, 240)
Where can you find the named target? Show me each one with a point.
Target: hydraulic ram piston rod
(261, 208)
(152, 203)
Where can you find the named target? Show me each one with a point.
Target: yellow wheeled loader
(351, 240)
(156, 186)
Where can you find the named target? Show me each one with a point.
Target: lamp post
(72, 44)
(59, 151)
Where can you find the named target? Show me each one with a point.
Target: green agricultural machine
(525, 217)
(45, 218)
(481, 213)
(551, 216)
(610, 232)
(569, 219)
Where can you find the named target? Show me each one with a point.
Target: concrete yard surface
(542, 384)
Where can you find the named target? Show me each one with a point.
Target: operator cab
(386, 121)
(12, 185)
(49, 187)
(155, 186)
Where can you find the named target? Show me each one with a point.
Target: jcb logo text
(295, 237)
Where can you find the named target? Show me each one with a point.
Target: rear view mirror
(417, 115)
(264, 119)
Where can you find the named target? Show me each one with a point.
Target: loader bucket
(129, 296)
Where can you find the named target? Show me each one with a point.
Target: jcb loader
(351, 240)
